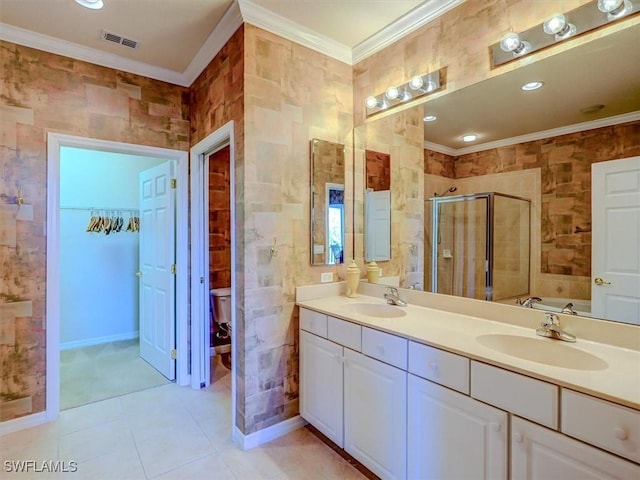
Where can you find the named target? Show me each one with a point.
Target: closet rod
(114, 209)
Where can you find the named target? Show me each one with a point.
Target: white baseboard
(247, 442)
(87, 342)
(21, 423)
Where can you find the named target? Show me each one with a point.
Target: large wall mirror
(590, 104)
(327, 203)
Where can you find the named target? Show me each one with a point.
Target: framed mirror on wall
(327, 203)
(377, 206)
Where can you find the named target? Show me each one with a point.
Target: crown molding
(406, 24)
(283, 27)
(230, 22)
(530, 137)
(49, 44)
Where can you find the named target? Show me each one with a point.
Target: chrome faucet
(528, 303)
(568, 309)
(550, 327)
(393, 297)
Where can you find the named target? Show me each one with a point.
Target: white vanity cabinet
(538, 453)
(453, 436)
(321, 385)
(407, 410)
(375, 415)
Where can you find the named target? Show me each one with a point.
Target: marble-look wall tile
(41, 92)
(292, 94)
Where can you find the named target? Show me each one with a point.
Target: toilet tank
(221, 304)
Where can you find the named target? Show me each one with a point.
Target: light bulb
(511, 43)
(430, 118)
(392, 93)
(416, 83)
(371, 102)
(557, 25)
(615, 8)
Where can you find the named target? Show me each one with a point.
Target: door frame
(52, 306)
(199, 281)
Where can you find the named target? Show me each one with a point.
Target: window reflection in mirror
(327, 203)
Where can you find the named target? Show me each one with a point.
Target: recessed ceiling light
(531, 86)
(470, 137)
(430, 118)
(93, 4)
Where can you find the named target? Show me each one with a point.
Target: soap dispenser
(373, 272)
(353, 278)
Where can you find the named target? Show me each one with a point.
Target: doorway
(56, 144)
(201, 373)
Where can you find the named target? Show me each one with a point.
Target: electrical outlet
(326, 277)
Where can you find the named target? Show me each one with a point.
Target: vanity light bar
(560, 27)
(418, 86)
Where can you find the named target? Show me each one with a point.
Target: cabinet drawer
(523, 396)
(345, 333)
(313, 322)
(442, 367)
(601, 423)
(385, 347)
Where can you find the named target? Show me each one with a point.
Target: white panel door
(615, 252)
(375, 415)
(321, 385)
(157, 256)
(452, 436)
(378, 225)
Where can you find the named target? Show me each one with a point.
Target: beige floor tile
(172, 448)
(209, 467)
(35, 443)
(92, 442)
(90, 415)
(112, 466)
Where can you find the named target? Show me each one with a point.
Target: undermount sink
(549, 352)
(379, 310)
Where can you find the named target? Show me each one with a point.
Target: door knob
(599, 281)
(138, 274)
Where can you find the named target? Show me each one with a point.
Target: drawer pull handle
(620, 433)
(380, 349)
(518, 437)
(433, 365)
(496, 427)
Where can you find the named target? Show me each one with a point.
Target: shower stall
(480, 245)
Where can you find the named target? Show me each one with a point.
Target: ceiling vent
(119, 39)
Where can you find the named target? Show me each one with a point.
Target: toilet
(220, 304)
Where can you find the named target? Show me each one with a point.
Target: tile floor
(167, 433)
(98, 372)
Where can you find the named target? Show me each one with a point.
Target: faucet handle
(393, 290)
(550, 319)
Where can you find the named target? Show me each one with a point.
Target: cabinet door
(375, 415)
(542, 454)
(452, 436)
(321, 385)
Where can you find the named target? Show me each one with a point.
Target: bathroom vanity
(417, 392)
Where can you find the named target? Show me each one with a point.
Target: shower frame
(489, 253)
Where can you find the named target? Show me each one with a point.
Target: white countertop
(457, 333)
